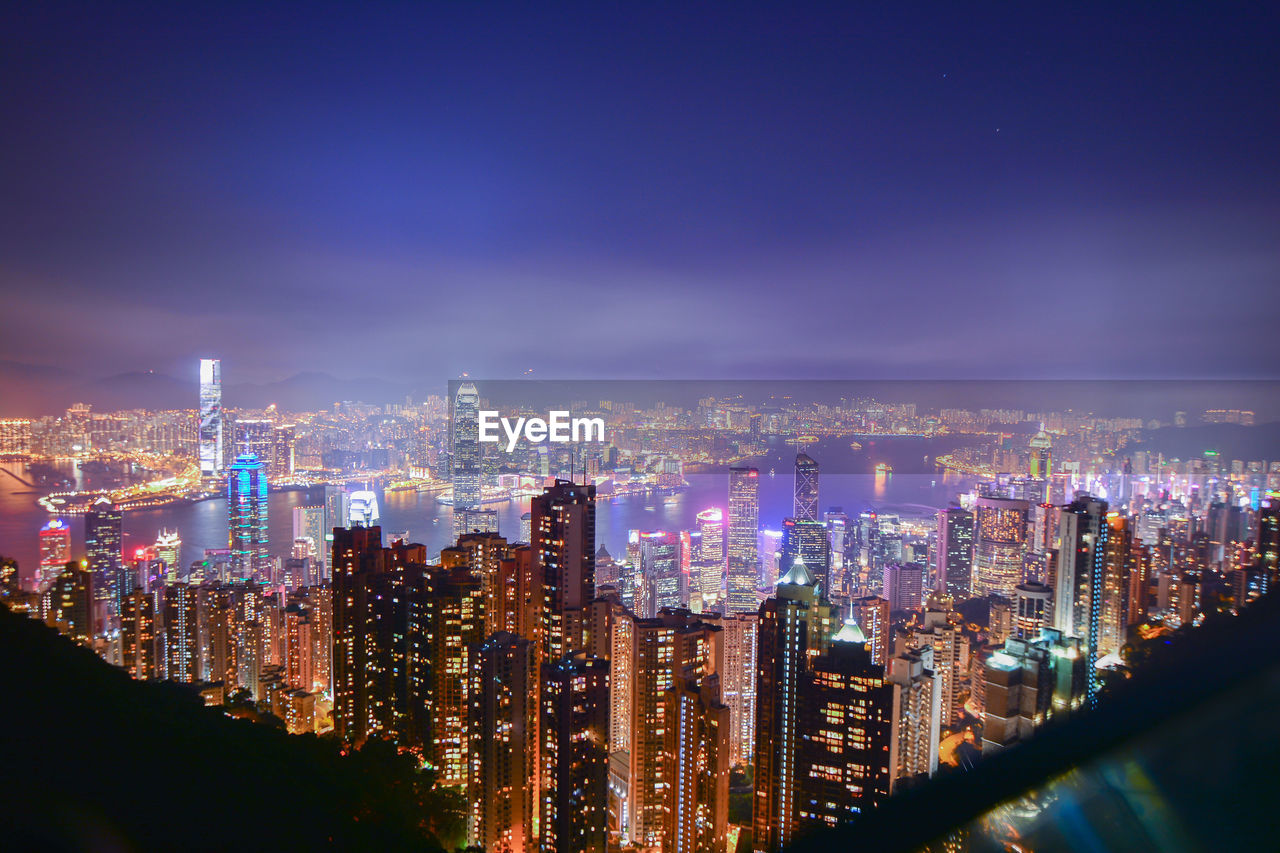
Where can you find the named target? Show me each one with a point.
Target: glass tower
(999, 535)
(806, 488)
(1077, 599)
(103, 544)
(744, 523)
(247, 517)
(210, 417)
(55, 551)
(954, 568)
(466, 448)
(709, 558)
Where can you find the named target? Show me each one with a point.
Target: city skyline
(575, 701)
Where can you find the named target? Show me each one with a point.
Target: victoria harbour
(853, 485)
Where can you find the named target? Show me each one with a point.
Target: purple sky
(738, 190)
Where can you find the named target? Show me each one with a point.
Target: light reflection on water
(855, 488)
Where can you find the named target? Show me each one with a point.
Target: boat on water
(855, 445)
(772, 473)
(884, 468)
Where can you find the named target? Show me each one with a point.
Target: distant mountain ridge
(34, 390)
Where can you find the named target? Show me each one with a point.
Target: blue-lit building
(247, 517)
(1078, 596)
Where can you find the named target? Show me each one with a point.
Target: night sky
(640, 190)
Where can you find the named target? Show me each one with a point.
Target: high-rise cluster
(836, 731)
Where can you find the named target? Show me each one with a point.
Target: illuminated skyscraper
(103, 540)
(308, 526)
(72, 605)
(696, 766)
(224, 622)
(846, 759)
(210, 417)
(1077, 599)
(807, 540)
(1000, 534)
(564, 537)
(660, 568)
(904, 586)
(466, 458)
(917, 714)
(941, 630)
(320, 599)
(182, 632)
(138, 644)
(1266, 551)
(1041, 455)
(512, 584)
(744, 523)
(299, 669)
(574, 717)
(55, 551)
(837, 522)
(505, 731)
(168, 547)
(709, 561)
(770, 551)
(247, 529)
(870, 550)
(283, 440)
(250, 654)
(737, 671)
(806, 489)
(955, 552)
(574, 759)
(794, 624)
(673, 644)
(1118, 560)
(450, 623)
(379, 663)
